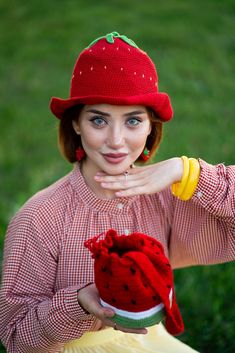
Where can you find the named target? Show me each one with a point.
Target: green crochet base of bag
(139, 323)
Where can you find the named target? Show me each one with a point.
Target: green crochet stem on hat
(110, 39)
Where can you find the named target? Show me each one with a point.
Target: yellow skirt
(157, 340)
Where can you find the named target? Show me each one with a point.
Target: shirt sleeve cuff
(208, 184)
(72, 305)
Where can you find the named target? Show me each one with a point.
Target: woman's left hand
(143, 180)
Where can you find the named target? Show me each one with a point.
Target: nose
(116, 137)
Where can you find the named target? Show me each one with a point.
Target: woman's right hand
(88, 298)
(144, 180)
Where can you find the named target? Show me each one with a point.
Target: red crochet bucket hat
(113, 70)
(135, 279)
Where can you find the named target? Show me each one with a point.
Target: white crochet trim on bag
(140, 314)
(134, 315)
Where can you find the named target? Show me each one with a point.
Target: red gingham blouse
(45, 261)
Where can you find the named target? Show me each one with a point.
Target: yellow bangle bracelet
(178, 188)
(194, 173)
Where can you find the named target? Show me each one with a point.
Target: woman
(110, 125)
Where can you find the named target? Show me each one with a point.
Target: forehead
(115, 109)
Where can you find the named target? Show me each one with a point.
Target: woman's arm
(203, 228)
(216, 191)
(33, 317)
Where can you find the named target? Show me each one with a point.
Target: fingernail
(109, 313)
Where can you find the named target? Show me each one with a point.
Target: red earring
(80, 154)
(145, 155)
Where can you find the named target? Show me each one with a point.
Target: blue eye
(133, 121)
(98, 121)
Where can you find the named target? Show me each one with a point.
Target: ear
(76, 127)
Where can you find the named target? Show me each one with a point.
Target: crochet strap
(94, 246)
(110, 39)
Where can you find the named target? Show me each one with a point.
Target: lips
(114, 158)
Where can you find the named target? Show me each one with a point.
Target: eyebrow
(135, 112)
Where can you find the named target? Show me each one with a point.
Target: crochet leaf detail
(110, 37)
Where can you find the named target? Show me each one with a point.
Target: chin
(117, 169)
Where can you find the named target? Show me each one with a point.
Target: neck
(88, 175)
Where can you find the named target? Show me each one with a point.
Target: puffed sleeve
(33, 317)
(203, 228)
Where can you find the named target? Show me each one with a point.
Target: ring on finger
(115, 326)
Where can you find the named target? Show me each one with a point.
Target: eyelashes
(134, 121)
(100, 121)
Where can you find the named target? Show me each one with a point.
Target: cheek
(138, 140)
(91, 140)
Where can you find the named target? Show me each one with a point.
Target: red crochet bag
(135, 279)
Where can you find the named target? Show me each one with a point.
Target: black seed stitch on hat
(113, 300)
(104, 269)
(133, 301)
(133, 271)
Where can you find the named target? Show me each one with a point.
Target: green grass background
(192, 44)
